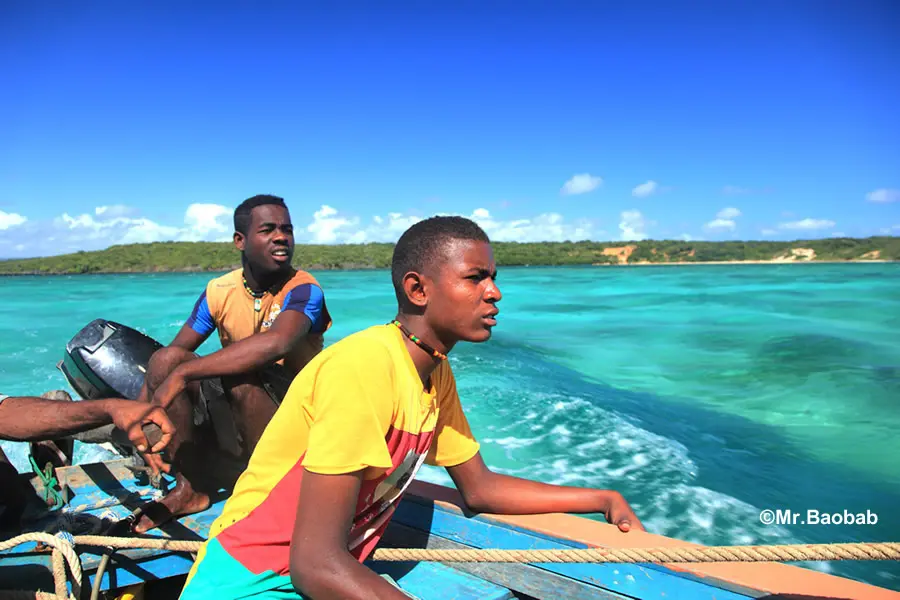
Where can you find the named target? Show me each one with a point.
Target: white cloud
(721, 224)
(141, 231)
(883, 195)
(9, 220)
(581, 184)
(328, 228)
(108, 226)
(768, 231)
(645, 189)
(807, 224)
(725, 219)
(546, 227)
(633, 226)
(201, 220)
(114, 210)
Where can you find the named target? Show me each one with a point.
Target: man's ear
(239, 240)
(414, 286)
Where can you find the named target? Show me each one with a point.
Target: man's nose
(492, 293)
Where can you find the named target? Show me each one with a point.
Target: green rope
(48, 479)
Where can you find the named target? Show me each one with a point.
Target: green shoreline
(174, 257)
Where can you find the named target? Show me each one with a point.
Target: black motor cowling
(107, 360)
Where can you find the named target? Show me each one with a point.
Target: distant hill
(214, 256)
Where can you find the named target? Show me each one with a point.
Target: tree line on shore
(220, 256)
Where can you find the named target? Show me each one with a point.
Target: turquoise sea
(705, 394)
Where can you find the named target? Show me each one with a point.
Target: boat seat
(434, 581)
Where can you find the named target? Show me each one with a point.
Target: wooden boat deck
(431, 517)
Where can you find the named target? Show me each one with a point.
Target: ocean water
(705, 394)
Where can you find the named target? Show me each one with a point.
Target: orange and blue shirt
(358, 406)
(226, 305)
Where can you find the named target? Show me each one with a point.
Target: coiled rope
(63, 552)
(700, 554)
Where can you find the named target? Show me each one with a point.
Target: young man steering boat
(270, 318)
(353, 430)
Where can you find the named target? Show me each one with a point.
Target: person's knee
(240, 387)
(163, 362)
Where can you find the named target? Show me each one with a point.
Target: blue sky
(543, 121)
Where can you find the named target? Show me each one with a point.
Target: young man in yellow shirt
(356, 425)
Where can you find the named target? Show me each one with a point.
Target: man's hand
(174, 384)
(619, 513)
(488, 492)
(131, 416)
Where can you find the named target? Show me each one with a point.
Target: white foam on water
(513, 442)
(581, 449)
(597, 465)
(588, 446)
(561, 430)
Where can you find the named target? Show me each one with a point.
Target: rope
(59, 573)
(63, 548)
(787, 552)
(48, 482)
(29, 595)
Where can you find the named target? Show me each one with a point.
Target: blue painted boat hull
(429, 517)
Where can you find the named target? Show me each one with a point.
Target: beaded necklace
(258, 296)
(415, 340)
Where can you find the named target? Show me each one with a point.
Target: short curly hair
(242, 216)
(421, 245)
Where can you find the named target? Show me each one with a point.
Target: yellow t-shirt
(360, 404)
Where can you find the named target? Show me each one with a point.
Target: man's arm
(188, 338)
(28, 418)
(247, 355)
(303, 304)
(489, 492)
(253, 352)
(320, 562)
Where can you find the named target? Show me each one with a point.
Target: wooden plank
(758, 579)
(634, 580)
(523, 579)
(448, 499)
(434, 581)
(116, 491)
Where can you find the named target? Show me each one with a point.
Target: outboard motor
(107, 360)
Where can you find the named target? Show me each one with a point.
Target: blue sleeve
(309, 300)
(200, 320)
